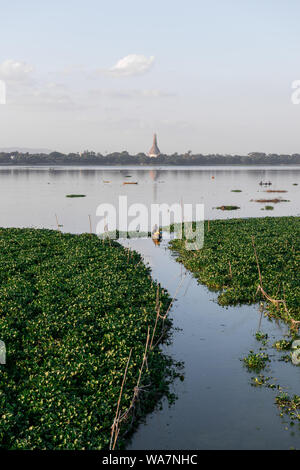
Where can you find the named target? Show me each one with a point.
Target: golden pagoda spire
(154, 151)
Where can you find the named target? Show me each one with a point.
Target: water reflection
(31, 196)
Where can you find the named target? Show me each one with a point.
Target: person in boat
(156, 234)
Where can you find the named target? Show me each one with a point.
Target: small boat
(106, 182)
(129, 182)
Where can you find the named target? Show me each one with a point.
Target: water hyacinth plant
(227, 261)
(71, 309)
(256, 361)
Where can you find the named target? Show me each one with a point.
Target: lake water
(216, 406)
(32, 196)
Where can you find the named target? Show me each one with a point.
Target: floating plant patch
(275, 191)
(274, 201)
(228, 208)
(229, 241)
(73, 307)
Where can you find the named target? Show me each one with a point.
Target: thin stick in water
(58, 228)
(115, 426)
(90, 219)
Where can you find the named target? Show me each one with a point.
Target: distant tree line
(124, 158)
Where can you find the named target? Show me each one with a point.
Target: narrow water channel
(216, 407)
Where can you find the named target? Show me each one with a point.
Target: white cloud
(133, 64)
(15, 70)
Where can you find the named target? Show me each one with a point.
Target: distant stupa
(154, 151)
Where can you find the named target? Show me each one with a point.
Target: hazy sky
(206, 75)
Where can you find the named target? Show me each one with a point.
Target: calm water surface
(32, 196)
(216, 406)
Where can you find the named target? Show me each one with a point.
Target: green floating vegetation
(256, 361)
(76, 195)
(227, 261)
(261, 336)
(285, 358)
(268, 208)
(262, 381)
(72, 307)
(275, 200)
(283, 345)
(228, 208)
(236, 190)
(289, 406)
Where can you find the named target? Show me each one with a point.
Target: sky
(210, 76)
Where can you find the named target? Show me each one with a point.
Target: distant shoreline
(141, 159)
(146, 165)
